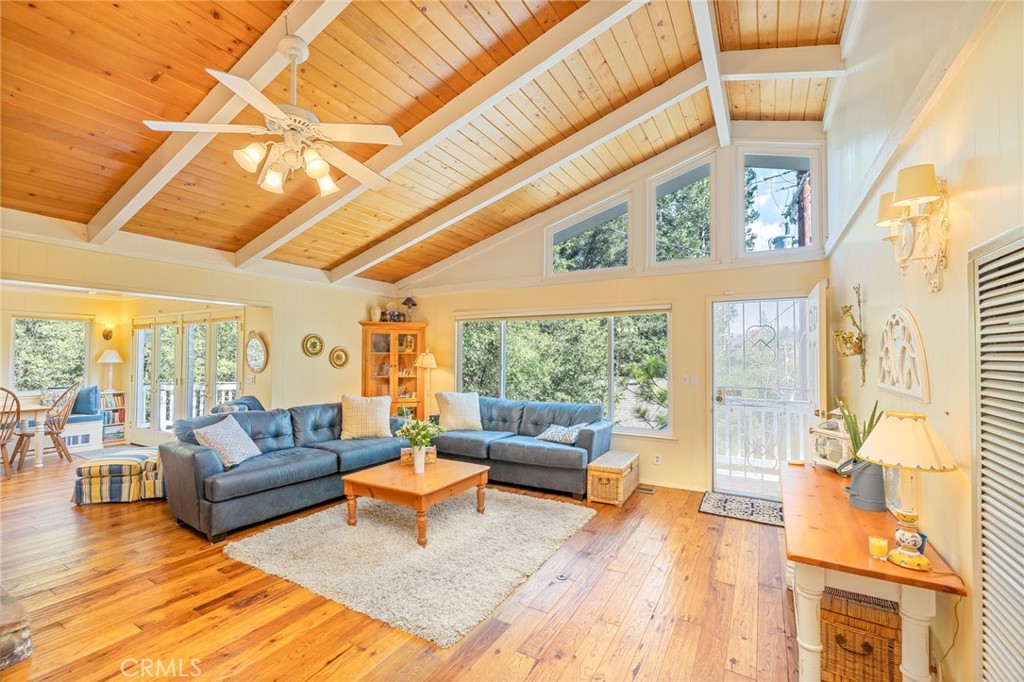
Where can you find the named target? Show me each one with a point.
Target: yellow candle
(879, 547)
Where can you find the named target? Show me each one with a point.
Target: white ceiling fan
(305, 143)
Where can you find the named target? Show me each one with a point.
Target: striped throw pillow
(365, 417)
(459, 411)
(566, 435)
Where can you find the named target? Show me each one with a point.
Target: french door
(768, 380)
(181, 367)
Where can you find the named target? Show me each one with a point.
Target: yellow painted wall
(686, 463)
(296, 309)
(973, 136)
(16, 302)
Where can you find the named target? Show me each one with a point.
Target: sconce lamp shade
(426, 360)
(887, 213)
(110, 357)
(916, 185)
(907, 440)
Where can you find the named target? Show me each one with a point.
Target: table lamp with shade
(907, 441)
(426, 361)
(110, 358)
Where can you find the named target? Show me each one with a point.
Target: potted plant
(867, 484)
(405, 412)
(420, 434)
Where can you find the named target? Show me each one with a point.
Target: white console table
(827, 545)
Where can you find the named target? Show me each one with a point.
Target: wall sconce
(918, 230)
(850, 344)
(108, 332)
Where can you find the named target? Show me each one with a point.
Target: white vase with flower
(420, 434)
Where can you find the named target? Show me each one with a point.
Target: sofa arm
(596, 439)
(396, 423)
(185, 468)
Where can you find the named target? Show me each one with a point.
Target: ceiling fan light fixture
(250, 156)
(327, 185)
(273, 178)
(314, 164)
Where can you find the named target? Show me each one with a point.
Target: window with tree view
(619, 361)
(682, 216)
(777, 194)
(49, 354)
(598, 241)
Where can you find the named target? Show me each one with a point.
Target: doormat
(744, 508)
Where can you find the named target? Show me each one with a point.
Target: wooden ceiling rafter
(710, 52)
(260, 65)
(511, 75)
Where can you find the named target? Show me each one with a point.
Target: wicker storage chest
(612, 477)
(861, 638)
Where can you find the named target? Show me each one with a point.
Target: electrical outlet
(695, 380)
(657, 459)
(686, 380)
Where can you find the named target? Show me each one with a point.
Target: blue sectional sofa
(508, 443)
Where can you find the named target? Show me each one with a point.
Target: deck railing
(224, 391)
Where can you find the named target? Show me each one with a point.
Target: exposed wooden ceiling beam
(677, 88)
(707, 40)
(553, 46)
(818, 61)
(259, 65)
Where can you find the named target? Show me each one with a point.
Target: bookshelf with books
(113, 410)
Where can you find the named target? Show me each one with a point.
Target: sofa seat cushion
(529, 450)
(469, 443)
(358, 453)
(270, 470)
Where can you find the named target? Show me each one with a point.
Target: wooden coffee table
(393, 482)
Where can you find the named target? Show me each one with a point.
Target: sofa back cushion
(539, 416)
(271, 430)
(316, 423)
(501, 415)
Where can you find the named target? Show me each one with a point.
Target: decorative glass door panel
(390, 351)
(195, 368)
(143, 372)
(762, 392)
(224, 372)
(167, 379)
(406, 390)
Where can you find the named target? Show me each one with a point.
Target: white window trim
(708, 158)
(812, 150)
(626, 197)
(647, 309)
(88, 319)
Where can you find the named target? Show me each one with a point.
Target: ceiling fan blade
(368, 133)
(249, 93)
(183, 127)
(350, 166)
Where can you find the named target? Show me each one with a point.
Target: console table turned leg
(808, 587)
(917, 608)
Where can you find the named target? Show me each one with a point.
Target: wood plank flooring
(656, 591)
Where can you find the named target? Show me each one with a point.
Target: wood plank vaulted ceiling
(78, 78)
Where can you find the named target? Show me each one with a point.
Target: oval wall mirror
(255, 353)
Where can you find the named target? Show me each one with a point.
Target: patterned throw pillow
(459, 411)
(562, 434)
(365, 417)
(232, 408)
(229, 440)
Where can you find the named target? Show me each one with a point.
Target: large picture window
(682, 216)
(49, 353)
(619, 361)
(599, 241)
(777, 208)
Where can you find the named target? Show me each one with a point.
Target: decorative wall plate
(255, 353)
(902, 366)
(313, 345)
(339, 357)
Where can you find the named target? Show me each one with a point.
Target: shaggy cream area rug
(471, 563)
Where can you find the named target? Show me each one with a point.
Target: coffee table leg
(421, 526)
(352, 509)
(480, 497)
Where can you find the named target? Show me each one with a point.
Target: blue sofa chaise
(301, 462)
(508, 443)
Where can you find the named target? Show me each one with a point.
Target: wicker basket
(861, 638)
(431, 455)
(612, 477)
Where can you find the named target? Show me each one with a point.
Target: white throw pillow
(229, 440)
(561, 434)
(459, 411)
(365, 417)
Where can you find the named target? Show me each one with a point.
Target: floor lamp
(426, 361)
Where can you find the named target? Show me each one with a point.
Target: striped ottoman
(126, 476)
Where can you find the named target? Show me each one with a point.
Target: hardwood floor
(656, 591)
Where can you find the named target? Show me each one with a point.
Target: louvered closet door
(999, 306)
